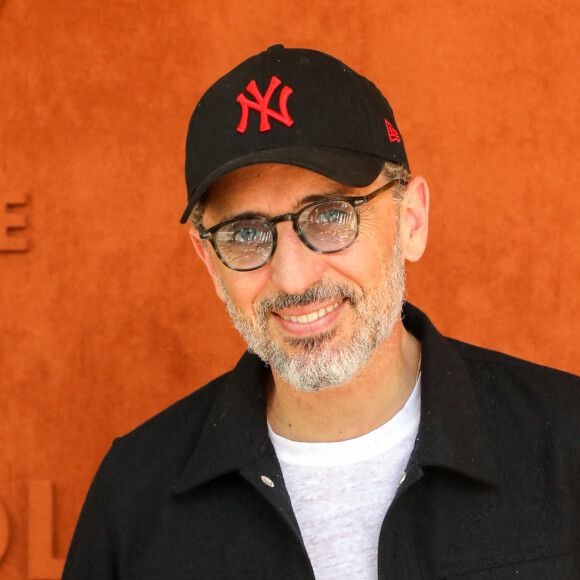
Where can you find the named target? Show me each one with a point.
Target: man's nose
(295, 267)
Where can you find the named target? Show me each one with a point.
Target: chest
(436, 528)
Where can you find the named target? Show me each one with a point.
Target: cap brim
(347, 167)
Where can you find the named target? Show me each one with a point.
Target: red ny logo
(392, 132)
(262, 103)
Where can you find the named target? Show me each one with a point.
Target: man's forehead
(250, 187)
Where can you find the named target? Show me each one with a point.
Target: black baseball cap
(293, 106)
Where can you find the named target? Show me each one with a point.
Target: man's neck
(372, 397)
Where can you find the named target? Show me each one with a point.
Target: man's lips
(310, 315)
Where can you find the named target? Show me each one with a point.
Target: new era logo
(262, 105)
(392, 132)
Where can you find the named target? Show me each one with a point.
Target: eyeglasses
(326, 226)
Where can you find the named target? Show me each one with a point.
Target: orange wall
(106, 315)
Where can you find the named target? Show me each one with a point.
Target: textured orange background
(109, 317)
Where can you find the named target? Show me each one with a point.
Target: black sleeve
(91, 555)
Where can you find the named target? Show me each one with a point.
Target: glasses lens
(329, 226)
(245, 244)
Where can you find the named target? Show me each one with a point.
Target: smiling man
(352, 441)
(325, 309)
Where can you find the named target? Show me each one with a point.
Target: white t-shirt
(341, 491)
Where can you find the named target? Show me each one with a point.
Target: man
(368, 445)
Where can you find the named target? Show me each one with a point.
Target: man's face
(314, 318)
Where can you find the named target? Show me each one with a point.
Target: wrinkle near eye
(376, 225)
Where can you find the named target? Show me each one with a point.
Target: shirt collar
(235, 431)
(452, 432)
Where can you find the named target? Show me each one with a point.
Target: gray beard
(319, 363)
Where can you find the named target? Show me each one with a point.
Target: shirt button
(403, 477)
(267, 481)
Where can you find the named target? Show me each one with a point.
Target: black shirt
(492, 489)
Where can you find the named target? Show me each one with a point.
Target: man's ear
(415, 218)
(203, 251)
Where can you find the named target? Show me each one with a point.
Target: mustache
(318, 292)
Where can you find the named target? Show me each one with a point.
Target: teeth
(305, 318)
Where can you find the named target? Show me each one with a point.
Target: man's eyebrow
(246, 215)
(320, 196)
(249, 214)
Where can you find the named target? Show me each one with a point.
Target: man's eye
(333, 216)
(245, 235)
